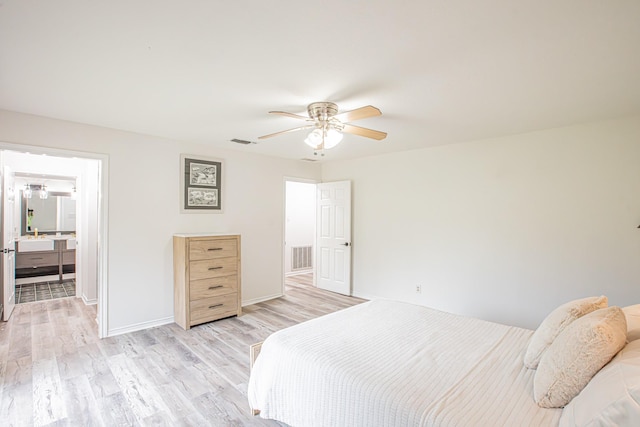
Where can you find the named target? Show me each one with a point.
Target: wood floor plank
(18, 372)
(115, 411)
(48, 402)
(16, 405)
(81, 404)
(89, 361)
(20, 341)
(55, 371)
(43, 342)
(144, 401)
(103, 383)
(179, 403)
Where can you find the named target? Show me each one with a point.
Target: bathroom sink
(31, 245)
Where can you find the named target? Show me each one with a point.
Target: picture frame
(201, 181)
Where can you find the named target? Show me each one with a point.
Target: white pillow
(612, 397)
(577, 354)
(555, 322)
(633, 321)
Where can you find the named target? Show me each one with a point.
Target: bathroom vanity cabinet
(59, 260)
(206, 270)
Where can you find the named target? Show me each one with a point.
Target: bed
(388, 363)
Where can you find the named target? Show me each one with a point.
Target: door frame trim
(103, 219)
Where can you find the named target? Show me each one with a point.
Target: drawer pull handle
(36, 258)
(216, 287)
(214, 249)
(216, 305)
(215, 268)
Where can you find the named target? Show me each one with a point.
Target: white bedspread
(385, 363)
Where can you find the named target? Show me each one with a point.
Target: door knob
(345, 244)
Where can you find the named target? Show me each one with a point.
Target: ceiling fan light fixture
(318, 139)
(332, 138)
(314, 139)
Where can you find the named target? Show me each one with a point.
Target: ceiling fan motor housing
(322, 111)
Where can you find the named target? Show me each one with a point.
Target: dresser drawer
(207, 288)
(209, 268)
(36, 259)
(210, 249)
(208, 309)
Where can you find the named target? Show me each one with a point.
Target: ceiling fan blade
(367, 133)
(358, 114)
(284, 113)
(286, 131)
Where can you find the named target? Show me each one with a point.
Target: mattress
(388, 363)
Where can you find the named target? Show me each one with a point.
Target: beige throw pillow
(577, 354)
(555, 322)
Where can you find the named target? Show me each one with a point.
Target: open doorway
(75, 265)
(299, 238)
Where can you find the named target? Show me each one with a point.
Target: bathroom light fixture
(43, 192)
(27, 192)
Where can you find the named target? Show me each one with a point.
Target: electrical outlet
(418, 289)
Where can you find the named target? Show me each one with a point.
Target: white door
(333, 237)
(8, 265)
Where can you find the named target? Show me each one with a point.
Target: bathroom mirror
(55, 214)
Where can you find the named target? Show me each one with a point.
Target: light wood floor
(55, 371)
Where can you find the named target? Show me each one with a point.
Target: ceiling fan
(328, 124)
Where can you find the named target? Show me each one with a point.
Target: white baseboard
(262, 299)
(139, 326)
(297, 273)
(89, 301)
(366, 296)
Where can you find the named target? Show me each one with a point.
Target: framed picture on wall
(200, 184)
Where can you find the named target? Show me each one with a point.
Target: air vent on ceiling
(309, 160)
(242, 141)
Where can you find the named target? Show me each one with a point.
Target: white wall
(300, 217)
(503, 229)
(144, 212)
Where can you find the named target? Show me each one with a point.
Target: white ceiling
(208, 71)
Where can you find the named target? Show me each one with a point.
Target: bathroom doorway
(63, 196)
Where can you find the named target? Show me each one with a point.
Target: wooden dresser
(206, 272)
